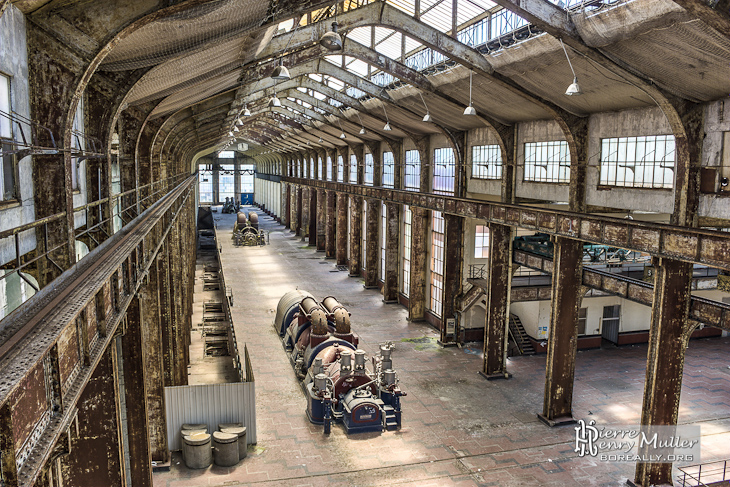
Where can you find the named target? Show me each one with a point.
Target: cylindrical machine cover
(346, 360)
(253, 219)
(359, 359)
(241, 220)
(320, 382)
(222, 426)
(239, 431)
(389, 377)
(196, 450)
(287, 307)
(225, 449)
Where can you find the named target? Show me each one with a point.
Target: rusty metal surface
(331, 225)
(498, 299)
(355, 235)
(453, 263)
(341, 244)
(62, 305)
(392, 244)
(563, 334)
(661, 240)
(702, 310)
(419, 263)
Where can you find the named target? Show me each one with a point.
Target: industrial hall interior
(429, 243)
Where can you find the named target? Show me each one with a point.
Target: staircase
(470, 298)
(391, 418)
(517, 332)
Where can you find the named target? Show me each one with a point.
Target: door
(610, 323)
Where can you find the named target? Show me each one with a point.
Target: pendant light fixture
(387, 122)
(427, 116)
(362, 126)
(246, 112)
(274, 101)
(281, 72)
(574, 88)
(470, 111)
(342, 135)
(331, 40)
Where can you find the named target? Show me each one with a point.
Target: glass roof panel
(391, 46)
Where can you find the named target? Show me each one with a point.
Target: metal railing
(703, 475)
(478, 271)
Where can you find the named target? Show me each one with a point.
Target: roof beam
(717, 16)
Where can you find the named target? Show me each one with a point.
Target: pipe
(340, 314)
(315, 314)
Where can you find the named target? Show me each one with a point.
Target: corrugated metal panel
(210, 404)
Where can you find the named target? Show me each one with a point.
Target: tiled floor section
(458, 429)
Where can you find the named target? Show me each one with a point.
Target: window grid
(353, 169)
(319, 172)
(226, 181)
(77, 144)
(412, 175)
(340, 169)
(329, 168)
(481, 242)
(638, 162)
(437, 263)
(486, 162)
(205, 184)
(388, 170)
(407, 216)
(369, 169)
(226, 154)
(547, 162)
(444, 169)
(383, 223)
(247, 177)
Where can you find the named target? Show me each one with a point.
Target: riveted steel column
(154, 376)
(563, 335)
(298, 228)
(355, 235)
(312, 217)
(453, 263)
(341, 247)
(668, 337)
(306, 213)
(166, 321)
(321, 220)
(9, 470)
(372, 243)
(135, 391)
(419, 253)
(331, 225)
(392, 238)
(498, 294)
(286, 207)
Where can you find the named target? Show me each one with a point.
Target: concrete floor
(458, 429)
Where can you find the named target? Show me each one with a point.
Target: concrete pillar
(498, 295)
(153, 357)
(180, 372)
(372, 243)
(355, 235)
(563, 334)
(306, 215)
(392, 239)
(453, 263)
(286, 210)
(313, 217)
(419, 253)
(9, 470)
(166, 320)
(668, 338)
(330, 229)
(133, 351)
(321, 220)
(341, 244)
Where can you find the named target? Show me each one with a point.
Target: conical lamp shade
(280, 72)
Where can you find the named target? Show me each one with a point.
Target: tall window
(388, 170)
(407, 217)
(638, 162)
(547, 162)
(329, 168)
(481, 242)
(369, 169)
(7, 172)
(364, 233)
(311, 168)
(205, 182)
(320, 173)
(78, 146)
(486, 162)
(226, 154)
(412, 173)
(247, 176)
(437, 263)
(383, 229)
(444, 169)
(226, 182)
(353, 169)
(340, 169)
